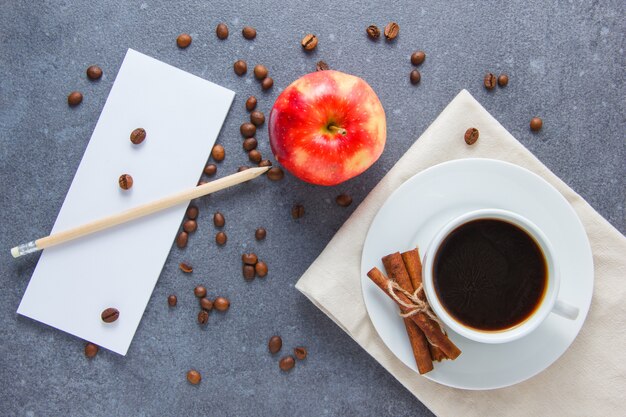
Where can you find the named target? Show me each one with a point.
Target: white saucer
(416, 210)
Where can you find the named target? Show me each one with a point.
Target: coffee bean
(275, 174)
(221, 304)
(297, 211)
(536, 124)
(138, 135)
(255, 156)
(251, 103)
(91, 350)
(240, 67)
(218, 219)
(248, 272)
(242, 168)
(373, 32)
(418, 57)
(249, 258)
(190, 226)
(275, 344)
(344, 200)
(287, 363)
(490, 81)
(221, 31)
(247, 130)
(74, 98)
(248, 32)
(192, 212)
(260, 233)
(186, 268)
(218, 153)
(203, 317)
(267, 83)
(265, 163)
(94, 72)
(210, 170)
(181, 239)
(110, 315)
(260, 71)
(300, 352)
(503, 80)
(172, 300)
(221, 238)
(257, 118)
(183, 40)
(206, 304)
(250, 144)
(415, 77)
(391, 31)
(125, 181)
(199, 291)
(309, 42)
(261, 269)
(321, 66)
(194, 377)
(471, 135)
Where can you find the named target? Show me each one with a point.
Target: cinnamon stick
(396, 271)
(431, 329)
(413, 265)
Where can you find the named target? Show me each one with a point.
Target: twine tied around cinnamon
(417, 305)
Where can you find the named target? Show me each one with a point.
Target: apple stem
(337, 129)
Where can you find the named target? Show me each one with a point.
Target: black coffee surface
(489, 274)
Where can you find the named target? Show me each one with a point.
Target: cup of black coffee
(491, 276)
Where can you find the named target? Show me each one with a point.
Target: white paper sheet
(74, 282)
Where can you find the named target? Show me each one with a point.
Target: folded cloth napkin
(588, 380)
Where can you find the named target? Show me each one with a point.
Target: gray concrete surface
(566, 63)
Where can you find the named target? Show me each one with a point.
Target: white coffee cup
(548, 304)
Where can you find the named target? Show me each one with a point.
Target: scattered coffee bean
(206, 304)
(300, 352)
(110, 315)
(221, 238)
(297, 211)
(221, 304)
(503, 80)
(267, 83)
(248, 32)
(287, 363)
(91, 350)
(275, 344)
(218, 219)
(251, 103)
(138, 135)
(242, 168)
(194, 377)
(250, 144)
(125, 181)
(181, 239)
(415, 77)
(261, 269)
(257, 118)
(344, 200)
(536, 124)
(321, 66)
(218, 153)
(200, 291)
(94, 72)
(74, 98)
(255, 156)
(172, 300)
(260, 233)
(309, 42)
(471, 135)
(203, 317)
(248, 272)
(418, 57)
(275, 174)
(247, 130)
(391, 31)
(221, 31)
(190, 226)
(260, 71)
(373, 32)
(490, 81)
(192, 212)
(240, 67)
(183, 40)
(265, 163)
(186, 268)
(249, 258)
(210, 170)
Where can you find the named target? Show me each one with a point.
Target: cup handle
(565, 310)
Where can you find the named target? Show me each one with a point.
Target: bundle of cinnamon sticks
(428, 339)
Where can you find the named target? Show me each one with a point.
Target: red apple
(327, 127)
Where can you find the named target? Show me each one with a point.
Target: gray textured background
(566, 64)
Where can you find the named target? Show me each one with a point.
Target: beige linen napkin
(588, 380)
